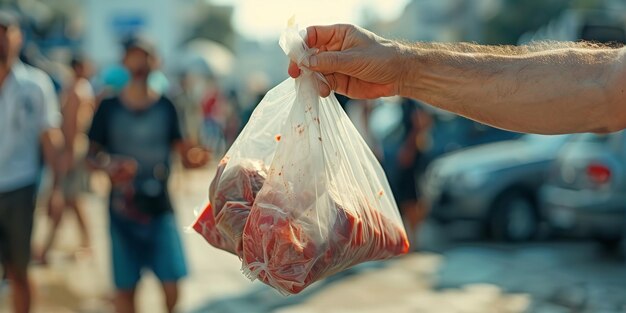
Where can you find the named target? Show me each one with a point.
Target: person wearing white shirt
(29, 120)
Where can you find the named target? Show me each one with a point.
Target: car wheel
(514, 218)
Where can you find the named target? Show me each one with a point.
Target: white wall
(105, 18)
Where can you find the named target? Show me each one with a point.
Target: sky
(265, 19)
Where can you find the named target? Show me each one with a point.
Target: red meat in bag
(276, 247)
(278, 250)
(231, 195)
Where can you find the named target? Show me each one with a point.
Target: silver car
(494, 185)
(586, 191)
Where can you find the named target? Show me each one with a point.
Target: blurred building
(170, 23)
(109, 21)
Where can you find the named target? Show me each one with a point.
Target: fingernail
(313, 61)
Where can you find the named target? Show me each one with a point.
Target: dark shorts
(154, 245)
(16, 225)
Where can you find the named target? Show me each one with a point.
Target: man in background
(29, 118)
(77, 109)
(132, 136)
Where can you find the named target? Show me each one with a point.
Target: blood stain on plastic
(300, 129)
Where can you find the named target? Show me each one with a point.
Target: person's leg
(168, 259)
(20, 287)
(170, 289)
(75, 205)
(17, 227)
(55, 220)
(126, 266)
(125, 301)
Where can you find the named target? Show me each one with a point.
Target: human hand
(355, 62)
(195, 157)
(122, 171)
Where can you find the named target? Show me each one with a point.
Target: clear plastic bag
(300, 196)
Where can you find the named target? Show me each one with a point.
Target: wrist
(400, 61)
(411, 60)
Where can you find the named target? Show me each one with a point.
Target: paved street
(467, 277)
(558, 277)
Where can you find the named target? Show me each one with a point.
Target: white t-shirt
(28, 107)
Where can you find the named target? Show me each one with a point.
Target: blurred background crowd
(468, 192)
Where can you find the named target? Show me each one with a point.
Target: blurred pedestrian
(132, 136)
(411, 161)
(77, 109)
(29, 120)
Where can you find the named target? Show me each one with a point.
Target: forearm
(70, 121)
(52, 144)
(69, 134)
(554, 91)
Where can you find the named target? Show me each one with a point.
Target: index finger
(330, 36)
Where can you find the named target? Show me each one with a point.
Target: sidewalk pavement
(82, 283)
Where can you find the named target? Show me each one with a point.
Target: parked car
(451, 133)
(495, 185)
(585, 194)
(448, 133)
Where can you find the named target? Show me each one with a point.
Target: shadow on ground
(262, 298)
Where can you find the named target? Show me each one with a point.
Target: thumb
(329, 61)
